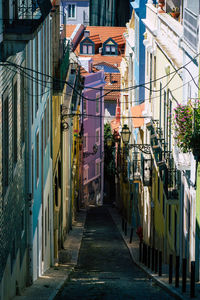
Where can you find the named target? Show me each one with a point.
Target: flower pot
(175, 15)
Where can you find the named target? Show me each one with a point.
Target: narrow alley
(105, 269)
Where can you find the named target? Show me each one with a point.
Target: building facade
(93, 136)
(25, 137)
(75, 12)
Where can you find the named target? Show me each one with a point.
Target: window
(160, 110)
(48, 118)
(154, 71)
(158, 188)
(110, 50)
(45, 127)
(36, 74)
(175, 231)
(32, 171)
(59, 174)
(48, 202)
(98, 167)
(98, 103)
(169, 219)
(147, 66)
(31, 86)
(37, 157)
(97, 107)
(85, 173)
(56, 190)
(87, 49)
(126, 101)
(45, 53)
(97, 139)
(22, 222)
(5, 141)
(46, 220)
(42, 58)
(137, 39)
(22, 109)
(85, 107)
(85, 142)
(15, 122)
(71, 11)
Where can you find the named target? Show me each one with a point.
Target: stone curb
(159, 282)
(58, 273)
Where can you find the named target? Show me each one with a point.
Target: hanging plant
(187, 127)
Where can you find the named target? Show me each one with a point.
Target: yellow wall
(163, 66)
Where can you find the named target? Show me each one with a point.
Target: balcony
(23, 26)
(174, 180)
(146, 170)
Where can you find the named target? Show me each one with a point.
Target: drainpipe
(29, 179)
(101, 146)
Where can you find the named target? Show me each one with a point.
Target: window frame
(70, 11)
(98, 163)
(87, 52)
(85, 173)
(85, 146)
(98, 103)
(110, 52)
(97, 133)
(37, 161)
(15, 116)
(5, 140)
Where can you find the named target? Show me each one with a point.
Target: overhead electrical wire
(28, 76)
(110, 91)
(116, 90)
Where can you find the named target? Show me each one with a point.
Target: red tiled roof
(69, 30)
(105, 32)
(113, 60)
(113, 82)
(95, 38)
(100, 34)
(136, 111)
(119, 39)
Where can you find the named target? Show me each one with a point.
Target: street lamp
(109, 141)
(125, 134)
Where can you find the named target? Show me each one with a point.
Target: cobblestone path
(105, 270)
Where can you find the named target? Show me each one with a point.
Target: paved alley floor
(105, 270)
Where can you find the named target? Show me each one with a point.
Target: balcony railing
(24, 24)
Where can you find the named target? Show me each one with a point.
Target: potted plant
(187, 127)
(175, 12)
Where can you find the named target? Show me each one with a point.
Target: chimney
(86, 33)
(86, 63)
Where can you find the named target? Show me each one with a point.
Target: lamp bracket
(145, 148)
